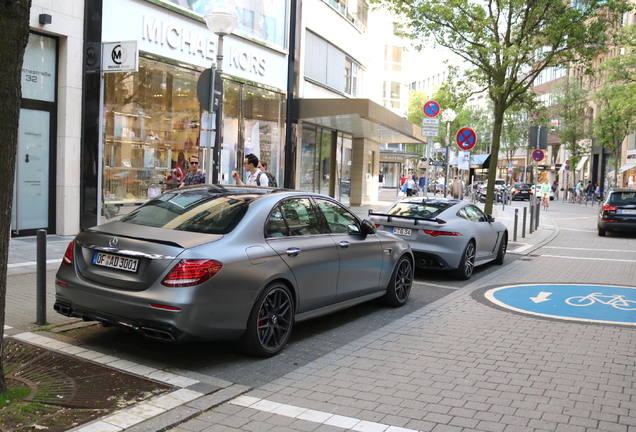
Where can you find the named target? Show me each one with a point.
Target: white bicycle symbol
(613, 300)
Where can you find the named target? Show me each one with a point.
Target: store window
(151, 129)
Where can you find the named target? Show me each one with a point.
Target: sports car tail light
(435, 233)
(609, 208)
(190, 272)
(165, 307)
(68, 255)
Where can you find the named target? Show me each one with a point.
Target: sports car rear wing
(416, 219)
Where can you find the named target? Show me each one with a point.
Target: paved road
(460, 363)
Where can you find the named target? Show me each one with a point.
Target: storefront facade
(151, 119)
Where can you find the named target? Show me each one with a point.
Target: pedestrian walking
(545, 195)
(457, 188)
(380, 181)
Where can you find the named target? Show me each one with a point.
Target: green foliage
(509, 43)
(571, 104)
(615, 118)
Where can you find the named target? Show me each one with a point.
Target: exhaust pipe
(157, 334)
(63, 309)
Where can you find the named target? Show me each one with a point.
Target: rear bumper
(618, 226)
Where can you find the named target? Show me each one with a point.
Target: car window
(473, 213)
(192, 211)
(622, 198)
(299, 217)
(276, 226)
(338, 218)
(423, 209)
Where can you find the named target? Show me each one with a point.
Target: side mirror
(368, 227)
(490, 218)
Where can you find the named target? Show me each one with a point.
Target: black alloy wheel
(270, 322)
(467, 263)
(399, 289)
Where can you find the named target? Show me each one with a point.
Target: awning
(582, 162)
(628, 166)
(481, 160)
(362, 118)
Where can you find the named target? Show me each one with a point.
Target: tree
(571, 104)
(508, 43)
(417, 99)
(14, 34)
(615, 118)
(514, 134)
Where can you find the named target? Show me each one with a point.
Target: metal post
(531, 219)
(523, 225)
(211, 172)
(448, 124)
(537, 210)
(428, 165)
(41, 278)
(514, 232)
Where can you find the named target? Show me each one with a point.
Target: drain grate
(65, 391)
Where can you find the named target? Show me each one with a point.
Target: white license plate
(402, 231)
(628, 212)
(116, 262)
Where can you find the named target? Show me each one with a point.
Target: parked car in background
(445, 233)
(500, 184)
(520, 191)
(230, 262)
(618, 213)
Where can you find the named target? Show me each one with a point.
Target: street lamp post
(448, 115)
(221, 18)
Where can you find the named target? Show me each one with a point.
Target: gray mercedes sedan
(214, 262)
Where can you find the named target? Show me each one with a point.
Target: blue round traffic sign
(538, 155)
(466, 138)
(588, 303)
(431, 109)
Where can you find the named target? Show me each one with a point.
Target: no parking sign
(466, 138)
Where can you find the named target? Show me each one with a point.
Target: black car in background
(618, 213)
(520, 191)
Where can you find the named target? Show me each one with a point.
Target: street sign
(203, 89)
(430, 122)
(466, 138)
(431, 109)
(429, 132)
(538, 155)
(588, 303)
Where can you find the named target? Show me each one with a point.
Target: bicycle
(616, 301)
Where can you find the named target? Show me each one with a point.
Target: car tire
(467, 262)
(399, 289)
(503, 247)
(601, 232)
(270, 323)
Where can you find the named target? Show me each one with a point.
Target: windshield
(423, 209)
(194, 211)
(622, 198)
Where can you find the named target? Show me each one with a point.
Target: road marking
(426, 285)
(32, 263)
(573, 229)
(591, 258)
(344, 422)
(587, 249)
(541, 297)
(520, 249)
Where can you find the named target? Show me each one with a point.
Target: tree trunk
(14, 34)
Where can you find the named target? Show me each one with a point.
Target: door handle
(292, 252)
(344, 244)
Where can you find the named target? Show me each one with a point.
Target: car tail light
(378, 225)
(435, 233)
(191, 272)
(68, 255)
(609, 208)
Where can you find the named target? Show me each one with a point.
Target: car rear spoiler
(416, 219)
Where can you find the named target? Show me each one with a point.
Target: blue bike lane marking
(589, 303)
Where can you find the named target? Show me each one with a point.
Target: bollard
(41, 278)
(523, 225)
(537, 211)
(531, 227)
(514, 233)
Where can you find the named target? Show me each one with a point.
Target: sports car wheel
(503, 247)
(467, 263)
(397, 293)
(270, 322)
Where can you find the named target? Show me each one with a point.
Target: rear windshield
(422, 209)
(622, 198)
(523, 187)
(194, 211)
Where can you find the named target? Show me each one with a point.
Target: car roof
(623, 190)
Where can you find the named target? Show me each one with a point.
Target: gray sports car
(230, 262)
(445, 233)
